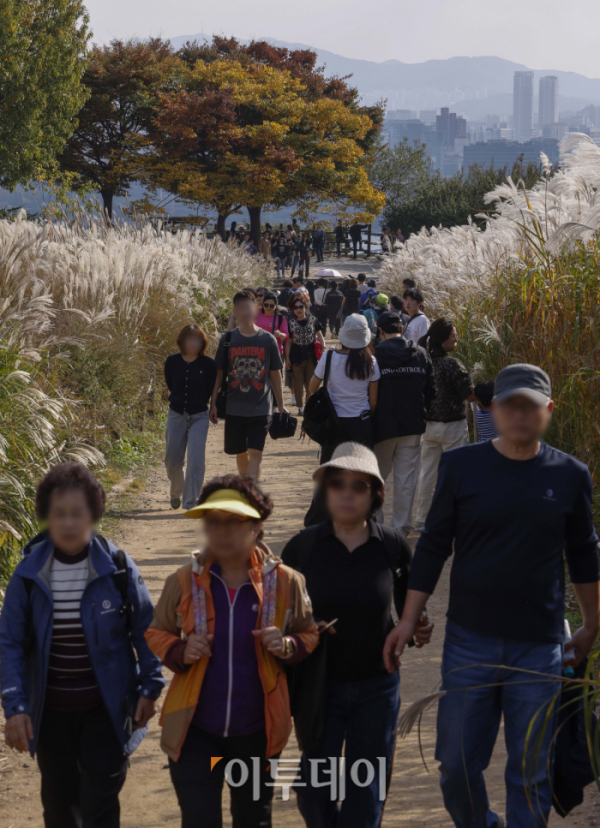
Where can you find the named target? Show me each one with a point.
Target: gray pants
(186, 431)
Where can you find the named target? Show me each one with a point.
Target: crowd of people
(255, 640)
(291, 249)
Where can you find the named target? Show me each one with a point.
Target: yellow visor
(225, 500)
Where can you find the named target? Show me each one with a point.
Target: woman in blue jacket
(78, 681)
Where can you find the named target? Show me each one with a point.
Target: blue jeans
(479, 692)
(186, 433)
(364, 715)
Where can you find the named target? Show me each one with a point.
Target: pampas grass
(88, 313)
(525, 288)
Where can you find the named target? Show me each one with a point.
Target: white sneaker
(293, 402)
(300, 411)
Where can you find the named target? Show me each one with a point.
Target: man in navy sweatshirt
(510, 508)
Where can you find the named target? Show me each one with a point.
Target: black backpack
(221, 401)
(320, 417)
(120, 580)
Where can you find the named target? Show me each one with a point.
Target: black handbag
(221, 401)
(320, 417)
(283, 426)
(307, 686)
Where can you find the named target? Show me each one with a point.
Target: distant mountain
(436, 83)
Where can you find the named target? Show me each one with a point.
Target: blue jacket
(122, 678)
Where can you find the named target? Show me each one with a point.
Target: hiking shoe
(175, 502)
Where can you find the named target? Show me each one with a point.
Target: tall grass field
(526, 288)
(88, 313)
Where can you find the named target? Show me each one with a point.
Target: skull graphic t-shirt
(250, 359)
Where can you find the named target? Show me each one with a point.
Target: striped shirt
(71, 681)
(485, 425)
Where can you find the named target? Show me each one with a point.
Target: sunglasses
(268, 305)
(299, 307)
(340, 484)
(225, 522)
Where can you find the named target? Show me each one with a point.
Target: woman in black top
(446, 417)
(300, 354)
(355, 569)
(351, 298)
(190, 376)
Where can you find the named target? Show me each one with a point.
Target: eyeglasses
(268, 305)
(340, 484)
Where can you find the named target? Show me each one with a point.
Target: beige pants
(302, 373)
(438, 437)
(401, 455)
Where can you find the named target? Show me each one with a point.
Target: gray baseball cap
(525, 380)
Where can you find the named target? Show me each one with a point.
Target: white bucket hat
(352, 457)
(355, 332)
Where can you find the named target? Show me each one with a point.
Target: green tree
(447, 202)
(42, 58)
(399, 171)
(110, 133)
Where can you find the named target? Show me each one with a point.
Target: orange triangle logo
(214, 760)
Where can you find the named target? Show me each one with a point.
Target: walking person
(406, 391)
(351, 298)
(264, 246)
(386, 241)
(190, 377)
(484, 391)
(272, 321)
(320, 299)
(340, 238)
(333, 302)
(78, 681)
(318, 237)
(281, 254)
(251, 357)
(225, 624)
(355, 571)
(304, 253)
(510, 509)
(362, 285)
(447, 418)
(286, 292)
(352, 385)
(300, 353)
(418, 324)
(356, 236)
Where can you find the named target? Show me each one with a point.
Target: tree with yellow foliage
(247, 128)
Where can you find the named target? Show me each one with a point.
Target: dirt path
(160, 541)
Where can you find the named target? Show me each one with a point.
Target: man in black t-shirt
(253, 365)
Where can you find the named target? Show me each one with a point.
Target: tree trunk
(254, 213)
(107, 203)
(221, 227)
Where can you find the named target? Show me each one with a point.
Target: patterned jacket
(283, 602)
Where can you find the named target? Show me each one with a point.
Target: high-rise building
(523, 105)
(548, 101)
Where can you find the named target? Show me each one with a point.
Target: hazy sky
(543, 34)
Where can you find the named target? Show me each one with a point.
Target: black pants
(351, 430)
(335, 321)
(83, 770)
(355, 243)
(199, 789)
